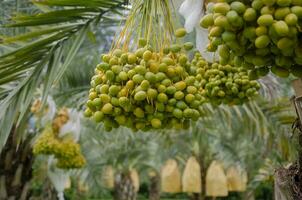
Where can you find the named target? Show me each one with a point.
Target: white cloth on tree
(202, 42)
(73, 126)
(192, 11)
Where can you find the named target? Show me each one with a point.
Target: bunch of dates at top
(258, 35)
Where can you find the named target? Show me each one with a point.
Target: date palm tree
(53, 54)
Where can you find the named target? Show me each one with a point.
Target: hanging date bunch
(259, 35)
(64, 148)
(224, 84)
(146, 81)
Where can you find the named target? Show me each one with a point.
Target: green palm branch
(55, 35)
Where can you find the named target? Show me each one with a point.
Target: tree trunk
(288, 181)
(16, 161)
(196, 196)
(203, 171)
(249, 195)
(124, 188)
(154, 188)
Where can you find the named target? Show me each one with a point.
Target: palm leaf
(47, 55)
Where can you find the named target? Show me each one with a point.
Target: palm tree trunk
(154, 188)
(249, 195)
(196, 196)
(203, 171)
(124, 188)
(288, 181)
(16, 161)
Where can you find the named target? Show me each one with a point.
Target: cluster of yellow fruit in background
(66, 150)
